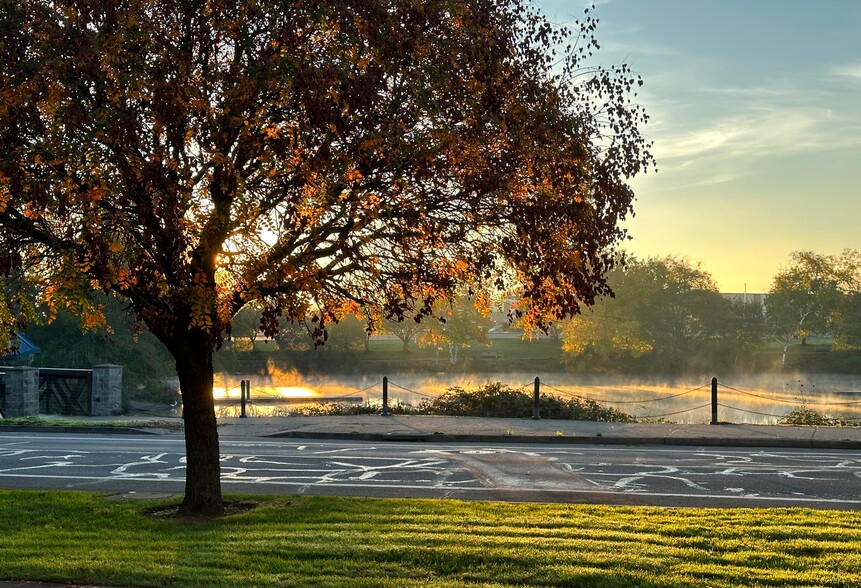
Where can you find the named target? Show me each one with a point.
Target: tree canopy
(317, 157)
(815, 294)
(668, 311)
(461, 323)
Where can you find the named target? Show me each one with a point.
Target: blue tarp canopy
(24, 348)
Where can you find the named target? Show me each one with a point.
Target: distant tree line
(667, 314)
(71, 341)
(453, 324)
(817, 294)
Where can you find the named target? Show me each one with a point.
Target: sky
(755, 109)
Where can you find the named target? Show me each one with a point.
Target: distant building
(746, 298)
(23, 348)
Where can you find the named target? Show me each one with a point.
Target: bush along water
(808, 417)
(493, 399)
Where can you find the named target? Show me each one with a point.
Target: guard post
(536, 415)
(385, 396)
(714, 402)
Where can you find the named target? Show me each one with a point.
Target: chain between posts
(536, 384)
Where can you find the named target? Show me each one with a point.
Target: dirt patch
(172, 512)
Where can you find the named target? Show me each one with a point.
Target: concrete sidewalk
(495, 430)
(485, 430)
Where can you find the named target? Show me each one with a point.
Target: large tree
(665, 308)
(815, 294)
(805, 296)
(319, 157)
(406, 329)
(461, 321)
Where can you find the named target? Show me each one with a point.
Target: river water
(742, 398)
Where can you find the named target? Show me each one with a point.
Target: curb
(72, 429)
(774, 442)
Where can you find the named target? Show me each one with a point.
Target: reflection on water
(754, 399)
(286, 392)
(268, 395)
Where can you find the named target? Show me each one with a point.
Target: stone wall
(21, 396)
(107, 392)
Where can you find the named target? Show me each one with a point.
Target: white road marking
(432, 468)
(478, 490)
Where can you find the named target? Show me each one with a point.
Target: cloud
(761, 133)
(694, 174)
(707, 132)
(851, 71)
(697, 152)
(754, 92)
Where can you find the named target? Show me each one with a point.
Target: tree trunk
(203, 469)
(452, 354)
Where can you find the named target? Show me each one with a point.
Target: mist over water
(742, 398)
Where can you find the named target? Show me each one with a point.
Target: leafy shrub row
(809, 417)
(490, 400)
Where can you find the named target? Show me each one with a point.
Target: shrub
(493, 399)
(808, 417)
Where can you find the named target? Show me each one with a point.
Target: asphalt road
(678, 476)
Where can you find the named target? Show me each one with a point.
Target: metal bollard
(242, 386)
(385, 396)
(714, 402)
(535, 407)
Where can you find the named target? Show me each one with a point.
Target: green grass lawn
(392, 349)
(324, 541)
(387, 356)
(504, 348)
(64, 421)
(796, 346)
